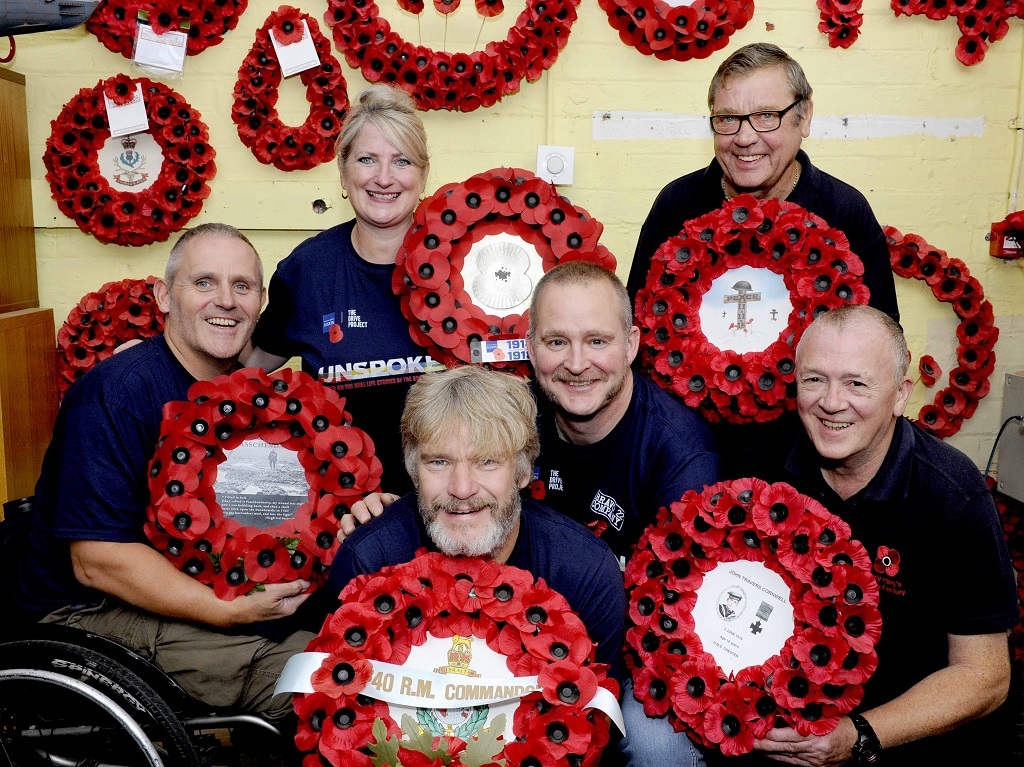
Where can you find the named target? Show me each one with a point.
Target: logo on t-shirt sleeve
(608, 508)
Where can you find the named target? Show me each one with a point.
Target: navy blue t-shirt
(571, 559)
(93, 483)
(369, 356)
(656, 452)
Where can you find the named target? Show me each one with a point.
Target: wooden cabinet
(18, 286)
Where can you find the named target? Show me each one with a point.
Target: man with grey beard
(470, 440)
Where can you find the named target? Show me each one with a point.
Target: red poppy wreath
(751, 608)
(468, 265)
(255, 411)
(114, 21)
(728, 298)
(841, 20)
(256, 92)
(134, 189)
(103, 320)
(444, 80)
(980, 23)
(475, 608)
(951, 283)
(677, 32)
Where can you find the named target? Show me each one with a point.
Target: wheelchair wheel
(48, 721)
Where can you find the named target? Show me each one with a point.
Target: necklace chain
(796, 180)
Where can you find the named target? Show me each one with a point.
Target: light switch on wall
(555, 164)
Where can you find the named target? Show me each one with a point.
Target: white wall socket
(555, 164)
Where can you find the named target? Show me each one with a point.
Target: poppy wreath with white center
(256, 92)
(677, 32)
(950, 282)
(819, 673)
(111, 215)
(287, 408)
(444, 80)
(101, 321)
(383, 616)
(816, 265)
(841, 21)
(980, 24)
(428, 278)
(114, 21)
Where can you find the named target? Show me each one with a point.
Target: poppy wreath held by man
(467, 267)
(750, 608)
(727, 299)
(288, 409)
(470, 606)
(950, 282)
(257, 89)
(134, 189)
(114, 21)
(452, 80)
(119, 311)
(677, 32)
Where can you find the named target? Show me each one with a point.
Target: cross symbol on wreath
(755, 628)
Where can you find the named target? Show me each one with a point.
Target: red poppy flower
(342, 673)
(695, 684)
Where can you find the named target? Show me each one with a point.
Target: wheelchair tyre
(47, 710)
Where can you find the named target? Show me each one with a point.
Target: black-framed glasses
(762, 122)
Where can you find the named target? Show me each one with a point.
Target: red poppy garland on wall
(841, 20)
(818, 674)
(677, 32)
(980, 22)
(119, 311)
(950, 281)
(92, 176)
(383, 616)
(288, 409)
(468, 265)
(114, 21)
(456, 81)
(256, 93)
(676, 313)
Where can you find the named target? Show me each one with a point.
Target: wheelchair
(70, 698)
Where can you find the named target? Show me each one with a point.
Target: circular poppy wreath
(841, 20)
(677, 32)
(101, 321)
(455, 81)
(386, 614)
(816, 265)
(950, 281)
(114, 21)
(428, 277)
(111, 215)
(980, 23)
(287, 408)
(256, 92)
(819, 673)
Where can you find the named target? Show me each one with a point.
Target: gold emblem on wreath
(460, 655)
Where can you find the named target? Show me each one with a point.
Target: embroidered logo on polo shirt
(608, 508)
(887, 567)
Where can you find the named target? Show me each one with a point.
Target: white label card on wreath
(296, 57)
(127, 118)
(166, 51)
(743, 615)
(260, 484)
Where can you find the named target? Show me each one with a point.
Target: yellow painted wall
(947, 190)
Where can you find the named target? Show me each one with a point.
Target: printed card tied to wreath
(251, 477)
(481, 664)
(751, 608)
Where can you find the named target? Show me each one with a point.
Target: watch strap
(868, 748)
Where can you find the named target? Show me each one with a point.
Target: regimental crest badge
(459, 657)
(455, 722)
(130, 164)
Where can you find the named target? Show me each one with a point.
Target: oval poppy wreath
(114, 21)
(467, 267)
(103, 320)
(950, 282)
(287, 408)
(455, 81)
(383, 616)
(677, 32)
(169, 190)
(691, 278)
(256, 92)
(826, 643)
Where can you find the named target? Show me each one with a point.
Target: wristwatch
(867, 749)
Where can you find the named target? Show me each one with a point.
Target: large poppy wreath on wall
(387, 617)
(468, 266)
(456, 81)
(198, 493)
(727, 299)
(750, 604)
(677, 32)
(134, 189)
(103, 320)
(951, 283)
(980, 22)
(114, 21)
(256, 93)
